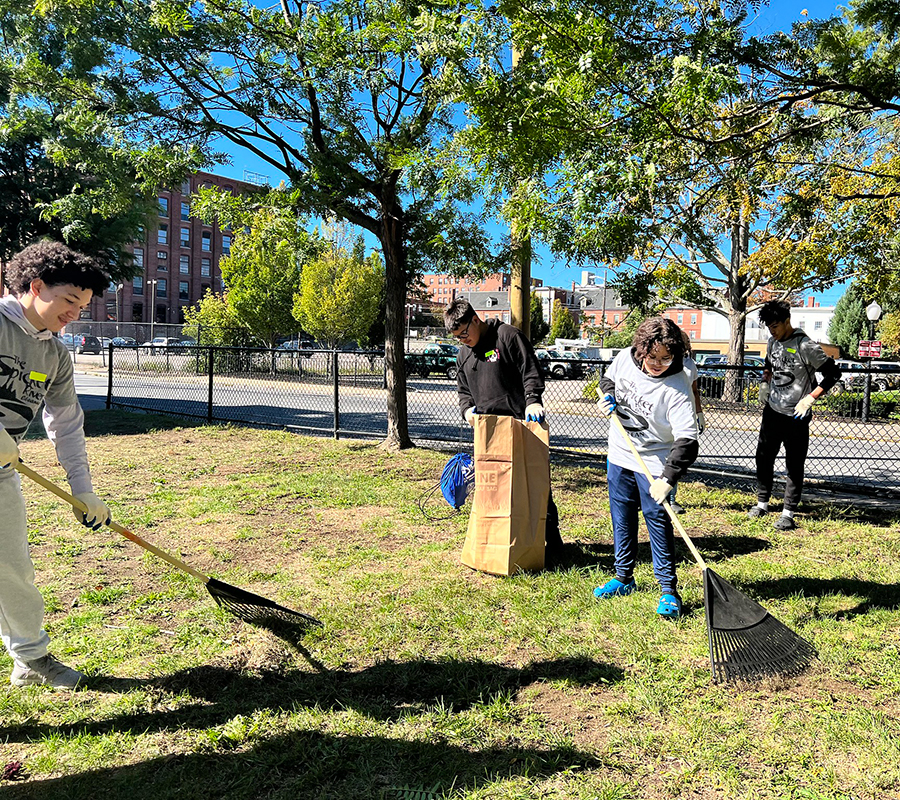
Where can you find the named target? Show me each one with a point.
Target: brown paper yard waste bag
(512, 483)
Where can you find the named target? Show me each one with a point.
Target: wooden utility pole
(520, 268)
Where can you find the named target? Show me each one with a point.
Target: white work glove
(802, 408)
(607, 404)
(97, 511)
(469, 414)
(9, 450)
(534, 413)
(763, 393)
(701, 422)
(659, 489)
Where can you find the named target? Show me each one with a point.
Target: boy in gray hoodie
(50, 286)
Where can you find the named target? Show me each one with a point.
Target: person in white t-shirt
(650, 391)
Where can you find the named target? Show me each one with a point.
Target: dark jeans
(776, 430)
(628, 492)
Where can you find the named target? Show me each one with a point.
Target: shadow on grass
(124, 423)
(386, 692)
(712, 548)
(314, 763)
(876, 595)
(311, 764)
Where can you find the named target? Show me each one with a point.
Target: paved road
(839, 452)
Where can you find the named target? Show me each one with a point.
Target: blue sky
(779, 15)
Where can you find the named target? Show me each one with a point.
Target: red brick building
(178, 260)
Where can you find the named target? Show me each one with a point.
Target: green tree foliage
(73, 166)
(343, 99)
(268, 250)
(339, 297)
(849, 324)
(539, 327)
(562, 324)
(213, 322)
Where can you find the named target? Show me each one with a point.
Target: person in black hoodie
(498, 373)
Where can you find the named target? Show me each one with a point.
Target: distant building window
(226, 244)
(162, 266)
(162, 234)
(692, 335)
(185, 212)
(185, 237)
(163, 206)
(186, 187)
(184, 265)
(817, 325)
(680, 318)
(183, 290)
(139, 257)
(205, 267)
(137, 286)
(204, 288)
(161, 287)
(693, 319)
(206, 241)
(616, 318)
(162, 255)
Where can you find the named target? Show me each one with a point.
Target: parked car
(301, 349)
(885, 376)
(161, 343)
(559, 364)
(711, 375)
(434, 358)
(123, 341)
(81, 342)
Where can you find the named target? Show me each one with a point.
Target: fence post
(109, 379)
(337, 412)
(209, 400)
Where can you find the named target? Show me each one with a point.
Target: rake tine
(245, 605)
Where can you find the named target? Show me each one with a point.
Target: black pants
(776, 430)
(552, 535)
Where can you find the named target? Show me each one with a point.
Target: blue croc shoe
(669, 606)
(615, 588)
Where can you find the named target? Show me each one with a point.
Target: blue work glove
(607, 404)
(534, 413)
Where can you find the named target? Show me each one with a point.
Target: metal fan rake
(245, 605)
(745, 641)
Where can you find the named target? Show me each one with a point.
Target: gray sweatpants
(21, 604)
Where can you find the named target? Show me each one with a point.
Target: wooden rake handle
(75, 503)
(673, 516)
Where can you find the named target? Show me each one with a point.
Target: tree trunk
(396, 280)
(738, 287)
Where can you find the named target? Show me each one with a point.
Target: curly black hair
(775, 311)
(658, 330)
(56, 265)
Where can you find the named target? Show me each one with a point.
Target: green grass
(428, 680)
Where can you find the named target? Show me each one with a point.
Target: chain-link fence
(854, 443)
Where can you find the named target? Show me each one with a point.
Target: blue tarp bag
(457, 479)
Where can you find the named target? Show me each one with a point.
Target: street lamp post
(873, 314)
(152, 303)
(119, 287)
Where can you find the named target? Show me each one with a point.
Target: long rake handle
(72, 501)
(672, 515)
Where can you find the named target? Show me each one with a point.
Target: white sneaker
(45, 671)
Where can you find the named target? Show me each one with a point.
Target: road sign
(870, 349)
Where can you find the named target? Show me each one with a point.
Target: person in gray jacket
(51, 284)
(787, 394)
